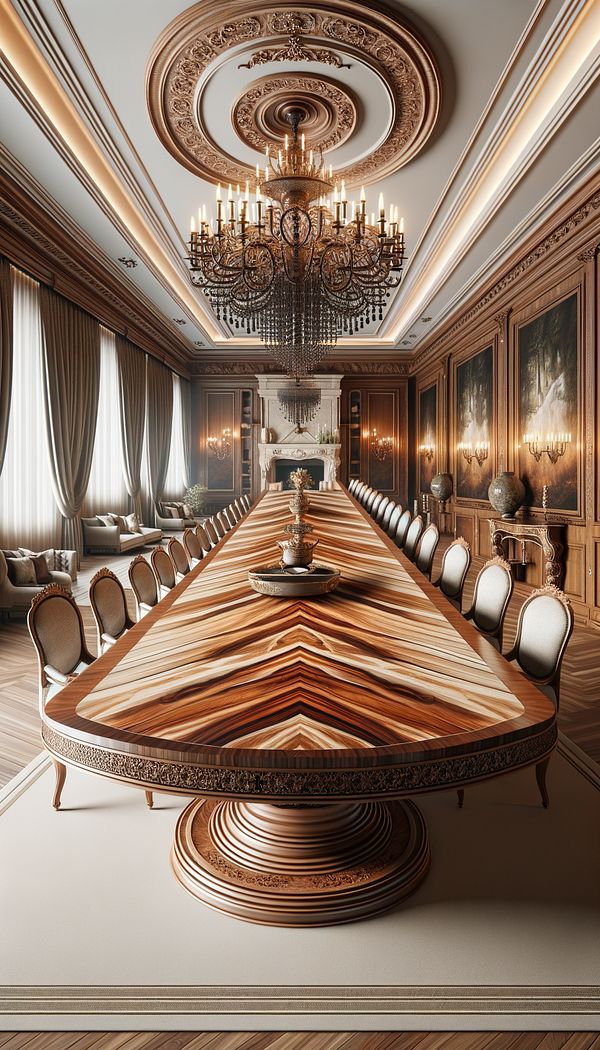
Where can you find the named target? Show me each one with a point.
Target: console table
(548, 535)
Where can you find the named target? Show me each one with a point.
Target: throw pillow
(49, 557)
(133, 524)
(105, 519)
(187, 511)
(120, 522)
(179, 509)
(21, 572)
(170, 511)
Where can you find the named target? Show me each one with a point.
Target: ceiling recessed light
(129, 263)
(412, 337)
(198, 342)
(179, 320)
(425, 320)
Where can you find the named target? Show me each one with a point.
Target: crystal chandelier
(299, 403)
(300, 264)
(220, 446)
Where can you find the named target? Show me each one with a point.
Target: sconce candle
(220, 446)
(427, 451)
(554, 445)
(479, 453)
(381, 447)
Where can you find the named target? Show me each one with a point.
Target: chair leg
(149, 799)
(461, 797)
(61, 773)
(540, 775)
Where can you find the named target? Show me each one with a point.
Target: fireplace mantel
(329, 454)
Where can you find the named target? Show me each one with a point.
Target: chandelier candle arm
(554, 445)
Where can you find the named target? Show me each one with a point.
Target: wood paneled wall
(216, 405)
(560, 262)
(383, 404)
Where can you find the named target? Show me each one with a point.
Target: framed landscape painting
(428, 436)
(475, 424)
(548, 367)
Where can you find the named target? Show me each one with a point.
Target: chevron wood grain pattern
(299, 1041)
(384, 670)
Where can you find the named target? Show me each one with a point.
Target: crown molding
(42, 239)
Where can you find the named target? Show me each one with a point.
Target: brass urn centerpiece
(298, 549)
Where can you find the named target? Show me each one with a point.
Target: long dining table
(302, 729)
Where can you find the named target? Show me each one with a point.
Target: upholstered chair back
(413, 536)
(229, 516)
(427, 548)
(545, 626)
(403, 525)
(370, 500)
(192, 545)
(382, 509)
(394, 517)
(179, 557)
(213, 535)
(218, 526)
(163, 569)
(223, 521)
(235, 512)
(143, 583)
(455, 565)
(246, 501)
(366, 495)
(203, 538)
(375, 505)
(493, 589)
(358, 491)
(353, 484)
(109, 606)
(56, 629)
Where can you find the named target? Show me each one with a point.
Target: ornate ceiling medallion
(329, 112)
(374, 42)
(295, 51)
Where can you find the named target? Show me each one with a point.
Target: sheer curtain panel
(107, 492)
(132, 410)
(28, 513)
(71, 386)
(6, 351)
(186, 426)
(159, 421)
(177, 475)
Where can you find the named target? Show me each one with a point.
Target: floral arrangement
(194, 497)
(301, 479)
(325, 436)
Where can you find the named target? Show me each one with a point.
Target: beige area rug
(95, 933)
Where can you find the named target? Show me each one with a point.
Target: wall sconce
(554, 445)
(427, 451)
(480, 452)
(220, 446)
(381, 447)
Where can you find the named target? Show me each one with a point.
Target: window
(106, 488)
(176, 481)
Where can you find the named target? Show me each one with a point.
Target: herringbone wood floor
(19, 723)
(300, 1041)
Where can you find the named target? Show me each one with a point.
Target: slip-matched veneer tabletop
(376, 689)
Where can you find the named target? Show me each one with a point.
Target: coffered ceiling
(475, 118)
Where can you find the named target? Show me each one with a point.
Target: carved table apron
(301, 727)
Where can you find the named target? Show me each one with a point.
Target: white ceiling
(488, 53)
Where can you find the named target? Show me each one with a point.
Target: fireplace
(282, 469)
(283, 449)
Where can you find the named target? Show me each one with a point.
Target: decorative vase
(265, 436)
(296, 554)
(441, 487)
(506, 493)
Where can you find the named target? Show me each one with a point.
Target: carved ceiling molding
(362, 32)
(572, 222)
(295, 51)
(330, 112)
(246, 368)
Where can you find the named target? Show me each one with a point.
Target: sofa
(171, 517)
(104, 537)
(16, 598)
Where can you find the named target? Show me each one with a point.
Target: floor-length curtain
(28, 513)
(6, 351)
(107, 491)
(186, 427)
(159, 391)
(132, 402)
(71, 386)
(177, 481)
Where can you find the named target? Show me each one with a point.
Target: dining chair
(358, 491)
(230, 514)
(241, 510)
(543, 631)
(217, 526)
(223, 521)
(246, 501)
(382, 509)
(164, 570)
(366, 494)
(203, 538)
(455, 566)
(493, 589)
(427, 548)
(352, 484)
(179, 558)
(192, 546)
(143, 585)
(413, 536)
(375, 505)
(211, 532)
(404, 521)
(56, 629)
(394, 518)
(235, 512)
(370, 500)
(109, 608)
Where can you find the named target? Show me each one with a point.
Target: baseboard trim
(579, 760)
(23, 780)
(252, 1000)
